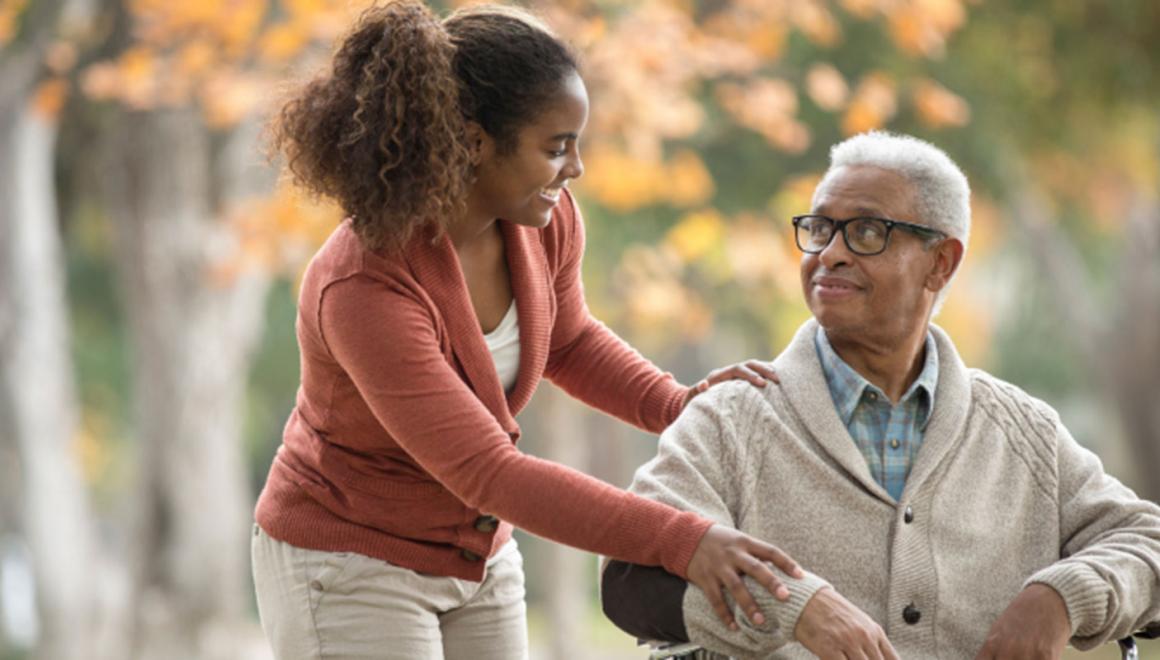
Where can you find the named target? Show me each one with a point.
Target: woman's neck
(476, 225)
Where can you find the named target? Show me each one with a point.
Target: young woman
(425, 323)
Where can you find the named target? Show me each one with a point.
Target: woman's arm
(385, 341)
(590, 362)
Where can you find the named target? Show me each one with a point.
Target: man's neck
(891, 366)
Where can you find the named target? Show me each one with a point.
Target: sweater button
(316, 585)
(486, 524)
(910, 614)
(908, 516)
(469, 555)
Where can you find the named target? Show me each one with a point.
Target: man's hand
(723, 556)
(757, 373)
(1034, 626)
(832, 627)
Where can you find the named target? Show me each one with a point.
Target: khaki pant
(317, 604)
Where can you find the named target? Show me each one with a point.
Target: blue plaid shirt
(888, 436)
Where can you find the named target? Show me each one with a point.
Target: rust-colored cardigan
(402, 436)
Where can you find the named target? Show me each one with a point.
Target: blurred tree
(183, 86)
(1071, 140)
(38, 400)
(175, 92)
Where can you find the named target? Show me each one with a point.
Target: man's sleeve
(703, 465)
(1109, 576)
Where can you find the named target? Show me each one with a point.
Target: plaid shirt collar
(847, 387)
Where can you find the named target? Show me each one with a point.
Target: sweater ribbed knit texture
(402, 435)
(1000, 496)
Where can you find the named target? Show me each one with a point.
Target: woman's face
(523, 186)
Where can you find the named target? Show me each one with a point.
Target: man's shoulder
(1029, 426)
(739, 397)
(735, 413)
(1004, 399)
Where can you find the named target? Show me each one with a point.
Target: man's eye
(818, 228)
(557, 154)
(868, 230)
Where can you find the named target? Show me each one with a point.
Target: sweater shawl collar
(804, 385)
(435, 266)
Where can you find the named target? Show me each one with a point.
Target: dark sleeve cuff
(644, 601)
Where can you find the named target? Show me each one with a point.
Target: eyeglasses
(863, 236)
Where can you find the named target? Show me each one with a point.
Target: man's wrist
(1083, 591)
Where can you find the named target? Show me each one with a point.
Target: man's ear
(948, 254)
(481, 144)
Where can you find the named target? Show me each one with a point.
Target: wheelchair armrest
(673, 651)
(1128, 650)
(1150, 631)
(687, 651)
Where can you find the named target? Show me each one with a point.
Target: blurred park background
(149, 258)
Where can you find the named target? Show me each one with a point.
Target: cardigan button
(316, 585)
(911, 614)
(908, 516)
(469, 555)
(486, 524)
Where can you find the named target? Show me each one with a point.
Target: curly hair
(383, 132)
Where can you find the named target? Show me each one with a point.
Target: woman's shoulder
(343, 255)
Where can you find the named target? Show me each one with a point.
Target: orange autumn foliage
(10, 11)
(49, 97)
(938, 107)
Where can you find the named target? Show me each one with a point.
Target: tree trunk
(1119, 338)
(193, 336)
(38, 400)
(568, 570)
(1135, 340)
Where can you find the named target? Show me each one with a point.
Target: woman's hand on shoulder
(756, 372)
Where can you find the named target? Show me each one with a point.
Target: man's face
(883, 296)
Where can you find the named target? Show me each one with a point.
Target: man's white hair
(942, 194)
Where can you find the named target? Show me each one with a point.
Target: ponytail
(382, 133)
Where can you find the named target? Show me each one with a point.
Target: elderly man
(939, 511)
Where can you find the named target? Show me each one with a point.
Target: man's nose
(835, 253)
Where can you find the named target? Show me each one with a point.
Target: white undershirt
(504, 344)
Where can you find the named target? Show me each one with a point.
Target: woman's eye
(557, 154)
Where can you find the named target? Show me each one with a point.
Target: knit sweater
(1000, 496)
(402, 438)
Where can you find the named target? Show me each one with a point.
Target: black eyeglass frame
(840, 228)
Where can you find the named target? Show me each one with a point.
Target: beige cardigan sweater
(1000, 496)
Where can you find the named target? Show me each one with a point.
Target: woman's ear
(479, 142)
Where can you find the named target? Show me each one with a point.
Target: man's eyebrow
(859, 211)
(564, 136)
